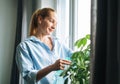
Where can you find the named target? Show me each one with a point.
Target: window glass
(62, 31)
(84, 14)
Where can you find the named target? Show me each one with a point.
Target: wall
(48, 3)
(8, 11)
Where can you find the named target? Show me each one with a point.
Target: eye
(51, 20)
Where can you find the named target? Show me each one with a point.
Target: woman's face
(48, 24)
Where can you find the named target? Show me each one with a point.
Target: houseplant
(78, 72)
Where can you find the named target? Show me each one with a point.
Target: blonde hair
(45, 12)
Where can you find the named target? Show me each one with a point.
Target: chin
(48, 33)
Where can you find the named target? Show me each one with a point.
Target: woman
(41, 55)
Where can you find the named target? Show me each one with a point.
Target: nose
(54, 25)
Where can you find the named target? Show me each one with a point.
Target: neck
(46, 40)
(42, 37)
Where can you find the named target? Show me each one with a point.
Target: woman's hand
(60, 64)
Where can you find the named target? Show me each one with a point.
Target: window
(73, 20)
(84, 16)
(62, 30)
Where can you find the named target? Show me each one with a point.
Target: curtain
(93, 35)
(24, 12)
(15, 72)
(107, 44)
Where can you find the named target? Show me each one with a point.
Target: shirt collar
(35, 39)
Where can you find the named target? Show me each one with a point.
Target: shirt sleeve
(25, 64)
(64, 50)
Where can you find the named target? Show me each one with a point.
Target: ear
(39, 19)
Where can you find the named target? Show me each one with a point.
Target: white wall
(48, 3)
(8, 13)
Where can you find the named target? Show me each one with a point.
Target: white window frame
(73, 22)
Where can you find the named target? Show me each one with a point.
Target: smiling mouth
(53, 27)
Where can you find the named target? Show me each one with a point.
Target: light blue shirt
(33, 55)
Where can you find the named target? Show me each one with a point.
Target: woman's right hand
(60, 64)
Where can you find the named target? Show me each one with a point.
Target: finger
(62, 67)
(66, 62)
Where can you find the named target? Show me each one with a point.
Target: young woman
(42, 55)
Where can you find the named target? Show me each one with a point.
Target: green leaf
(80, 43)
(78, 62)
(88, 36)
(77, 82)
